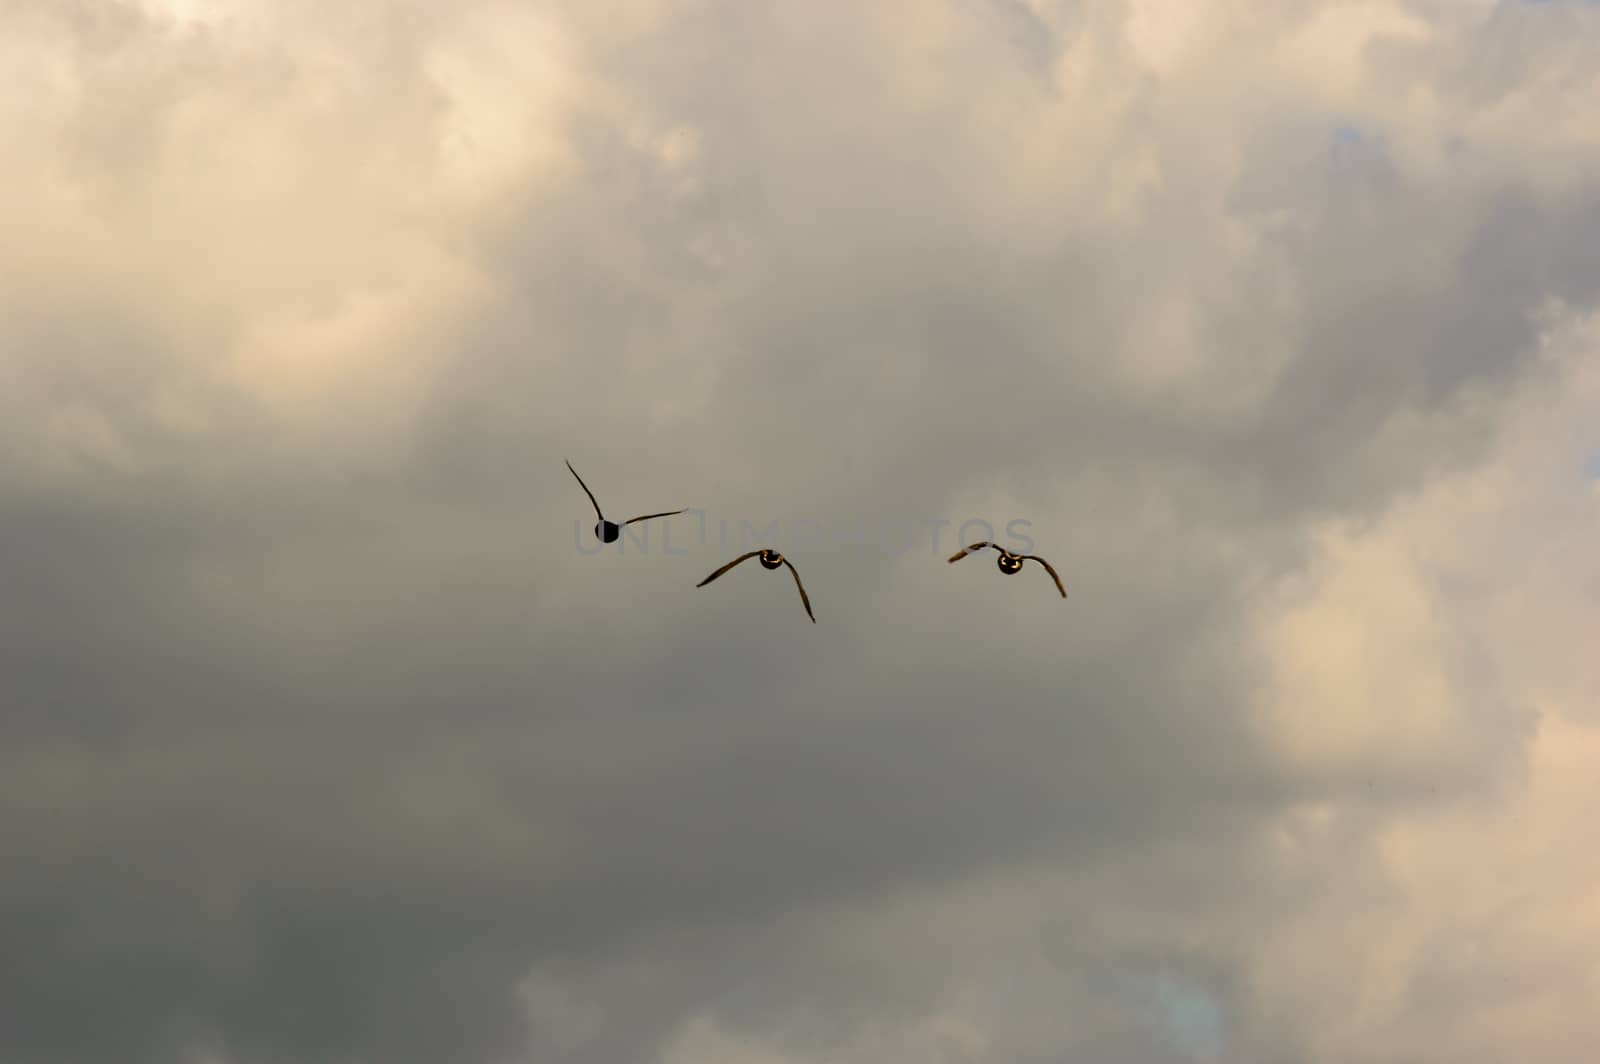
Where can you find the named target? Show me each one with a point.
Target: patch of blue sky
(1351, 145)
(1192, 1017)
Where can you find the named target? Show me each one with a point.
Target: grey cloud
(315, 751)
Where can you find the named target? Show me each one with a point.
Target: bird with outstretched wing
(770, 559)
(1011, 564)
(609, 531)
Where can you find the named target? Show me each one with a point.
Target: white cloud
(1443, 653)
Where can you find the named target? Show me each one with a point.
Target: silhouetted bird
(607, 531)
(1011, 564)
(770, 559)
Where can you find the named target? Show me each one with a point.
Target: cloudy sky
(326, 735)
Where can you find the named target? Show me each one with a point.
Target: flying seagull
(1011, 564)
(607, 531)
(770, 559)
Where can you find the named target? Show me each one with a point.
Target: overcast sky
(326, 735)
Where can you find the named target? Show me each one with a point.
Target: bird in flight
(770, 559)
(1011, 564)
(607, 531)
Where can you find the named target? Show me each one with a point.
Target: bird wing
(646, 517)
(1049, 570)
(725, 568)
(964, 551)
(804, 598)
(587, 492)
